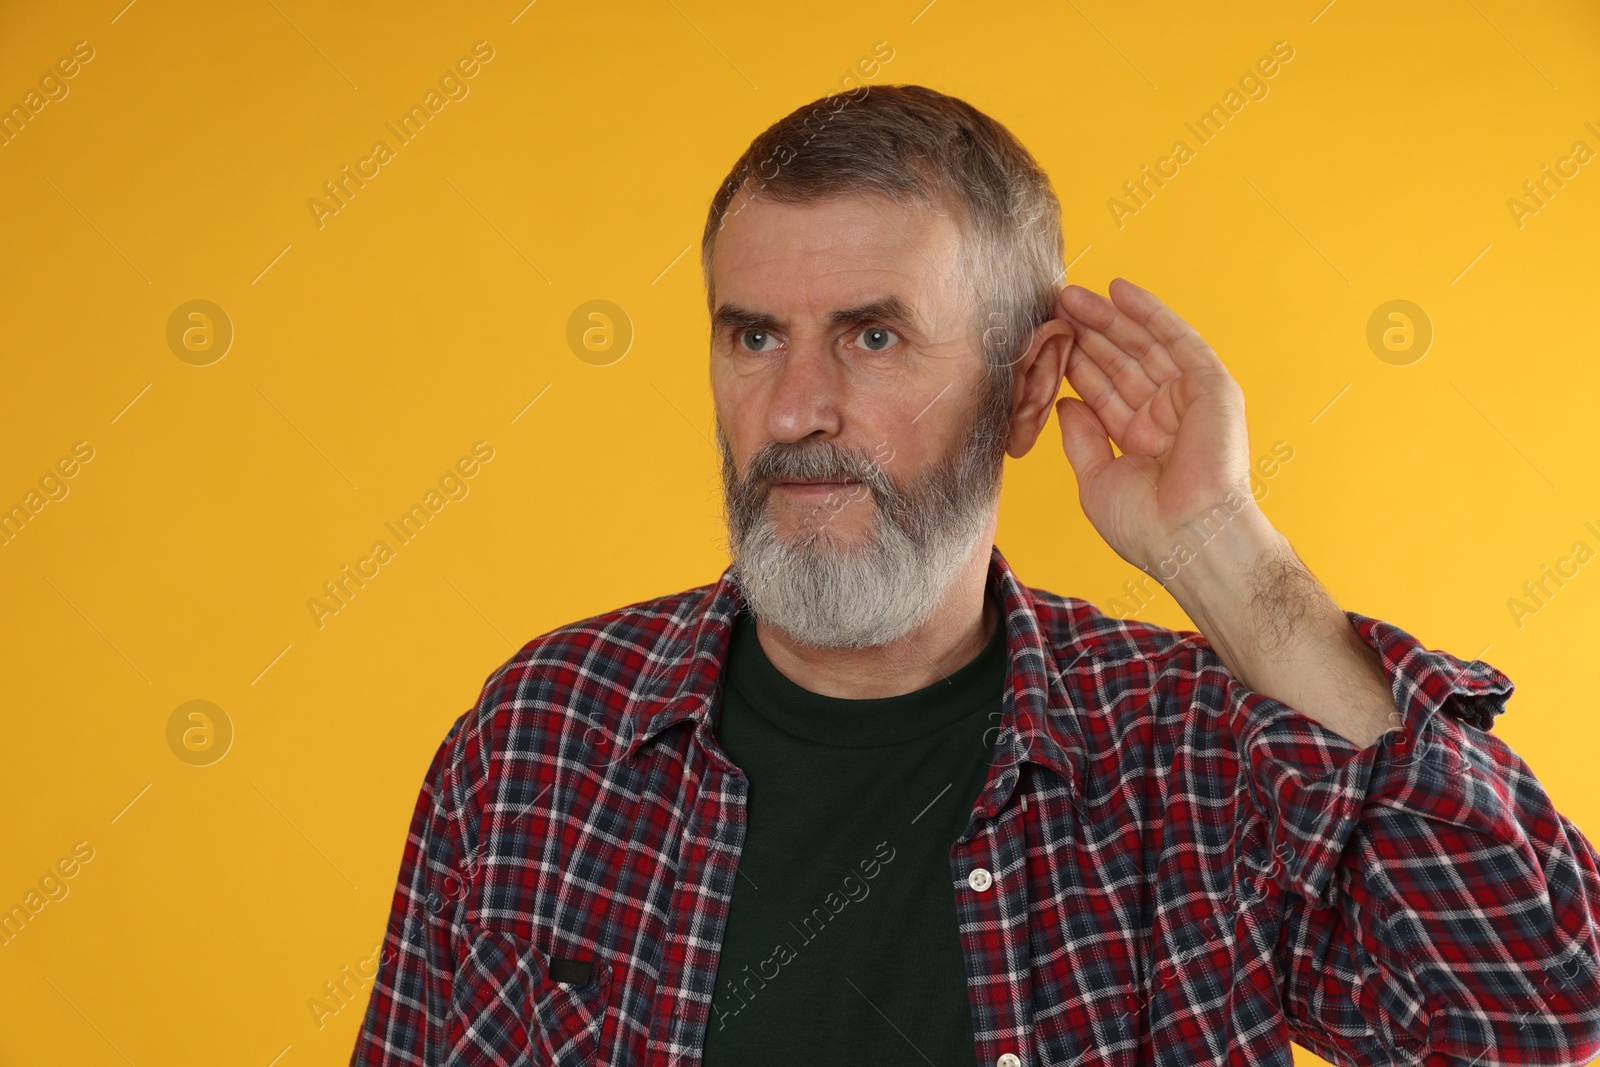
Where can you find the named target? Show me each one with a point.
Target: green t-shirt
(842, 942)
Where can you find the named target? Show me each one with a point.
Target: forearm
(1277, 629)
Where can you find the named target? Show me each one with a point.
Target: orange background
(371, 352)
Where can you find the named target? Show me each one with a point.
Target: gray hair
(915, 144)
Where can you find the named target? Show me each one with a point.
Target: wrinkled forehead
(811, 258)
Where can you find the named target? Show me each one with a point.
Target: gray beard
(828, 593)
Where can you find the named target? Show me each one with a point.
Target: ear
(1036, 381)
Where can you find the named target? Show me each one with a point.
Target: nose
(806, 394)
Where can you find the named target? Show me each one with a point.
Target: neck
(951, 638)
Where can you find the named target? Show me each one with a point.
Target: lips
(819, 490)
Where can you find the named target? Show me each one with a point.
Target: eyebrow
(884, 309)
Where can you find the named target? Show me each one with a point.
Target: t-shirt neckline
(868, 722)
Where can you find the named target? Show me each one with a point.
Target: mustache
(822, 461)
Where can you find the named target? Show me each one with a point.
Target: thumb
(1083, 438)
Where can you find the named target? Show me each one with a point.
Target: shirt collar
(1037, 724)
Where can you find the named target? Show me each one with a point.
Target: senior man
(868, 798)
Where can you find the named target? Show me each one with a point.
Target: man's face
(861, 442)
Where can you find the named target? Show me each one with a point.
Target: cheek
(903, 450)
(740, 409)
(728, 389)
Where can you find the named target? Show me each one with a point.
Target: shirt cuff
(1312, 784)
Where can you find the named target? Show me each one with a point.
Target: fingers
(1092, 311)
(1183, 345)
(1129, 375)
(1083, 438)
(1090, 381)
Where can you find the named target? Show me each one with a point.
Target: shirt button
(980, 880)
(1008, 1060)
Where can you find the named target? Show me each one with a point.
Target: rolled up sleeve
(1436, 902)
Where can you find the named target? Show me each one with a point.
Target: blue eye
(876, 338)
(760, 337)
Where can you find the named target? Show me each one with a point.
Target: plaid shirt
(1180, 870)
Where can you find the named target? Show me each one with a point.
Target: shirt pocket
(509, 1011)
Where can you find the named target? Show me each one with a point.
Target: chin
(829, 536)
